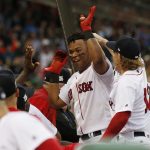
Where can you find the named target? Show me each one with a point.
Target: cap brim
(112, 45)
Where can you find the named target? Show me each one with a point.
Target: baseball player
(40, 106)
(19, 130)
(87, 91)
(128, 98)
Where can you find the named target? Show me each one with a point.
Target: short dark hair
(75, 36)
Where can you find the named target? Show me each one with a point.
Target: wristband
(88, 35)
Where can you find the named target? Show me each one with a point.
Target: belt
(89, 135)
(139, 134)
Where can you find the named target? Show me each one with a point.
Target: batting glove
(86, 22)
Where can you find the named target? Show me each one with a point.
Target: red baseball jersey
(40, 101)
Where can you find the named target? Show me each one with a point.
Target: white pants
(130, 139)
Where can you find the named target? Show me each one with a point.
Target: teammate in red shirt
(40, 101)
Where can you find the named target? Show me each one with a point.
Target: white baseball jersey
(21, 131)
(36, 112)
(88, 94)
(128, 95)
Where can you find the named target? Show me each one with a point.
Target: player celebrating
(87, 91)
(128, 98)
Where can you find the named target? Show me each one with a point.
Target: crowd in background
(22, 21)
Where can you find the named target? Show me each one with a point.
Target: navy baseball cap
(7, 82)
(126, 46)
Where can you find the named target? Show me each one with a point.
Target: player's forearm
(97, 55)
(116, 125)
(22, 77)
(102, 41)
(95, 51)
(53, 92)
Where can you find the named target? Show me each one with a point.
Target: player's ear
(17, 92)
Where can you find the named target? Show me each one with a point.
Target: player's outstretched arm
(95, 51)
(29, 66)
(52, 79)
(115, 126)
(102, 41)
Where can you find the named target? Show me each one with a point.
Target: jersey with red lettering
(88, 94)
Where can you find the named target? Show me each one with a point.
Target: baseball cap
(64, 75)
(7, 82)
(62, 78)
(126, 46)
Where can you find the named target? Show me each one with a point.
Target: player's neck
(11, 102)
(123, 71)
(3, 109)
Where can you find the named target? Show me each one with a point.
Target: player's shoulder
(130, 77)
(74, 75)
(14, 117)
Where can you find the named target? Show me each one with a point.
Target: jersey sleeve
(35, 112)
(108, 76)
(29, 132)
(125, 95)
(65, 92)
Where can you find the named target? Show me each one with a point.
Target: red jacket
(40, 101)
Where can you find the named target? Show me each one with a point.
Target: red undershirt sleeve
(117, 123)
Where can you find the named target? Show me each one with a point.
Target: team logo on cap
(136, 56)
(3, 95)
(61, 79)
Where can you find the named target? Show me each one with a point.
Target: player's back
(136, 82)
(19, 130)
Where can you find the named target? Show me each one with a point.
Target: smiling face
(79, 54)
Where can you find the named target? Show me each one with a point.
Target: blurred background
(38, 21)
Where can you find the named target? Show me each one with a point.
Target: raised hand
(29, 66)
(85, 22)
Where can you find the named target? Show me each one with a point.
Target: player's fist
(85, 22)
(58, 62)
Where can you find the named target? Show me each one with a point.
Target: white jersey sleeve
(125, 95)
(65, 95)
(19, 130)
(36, 112)
(108, 76)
